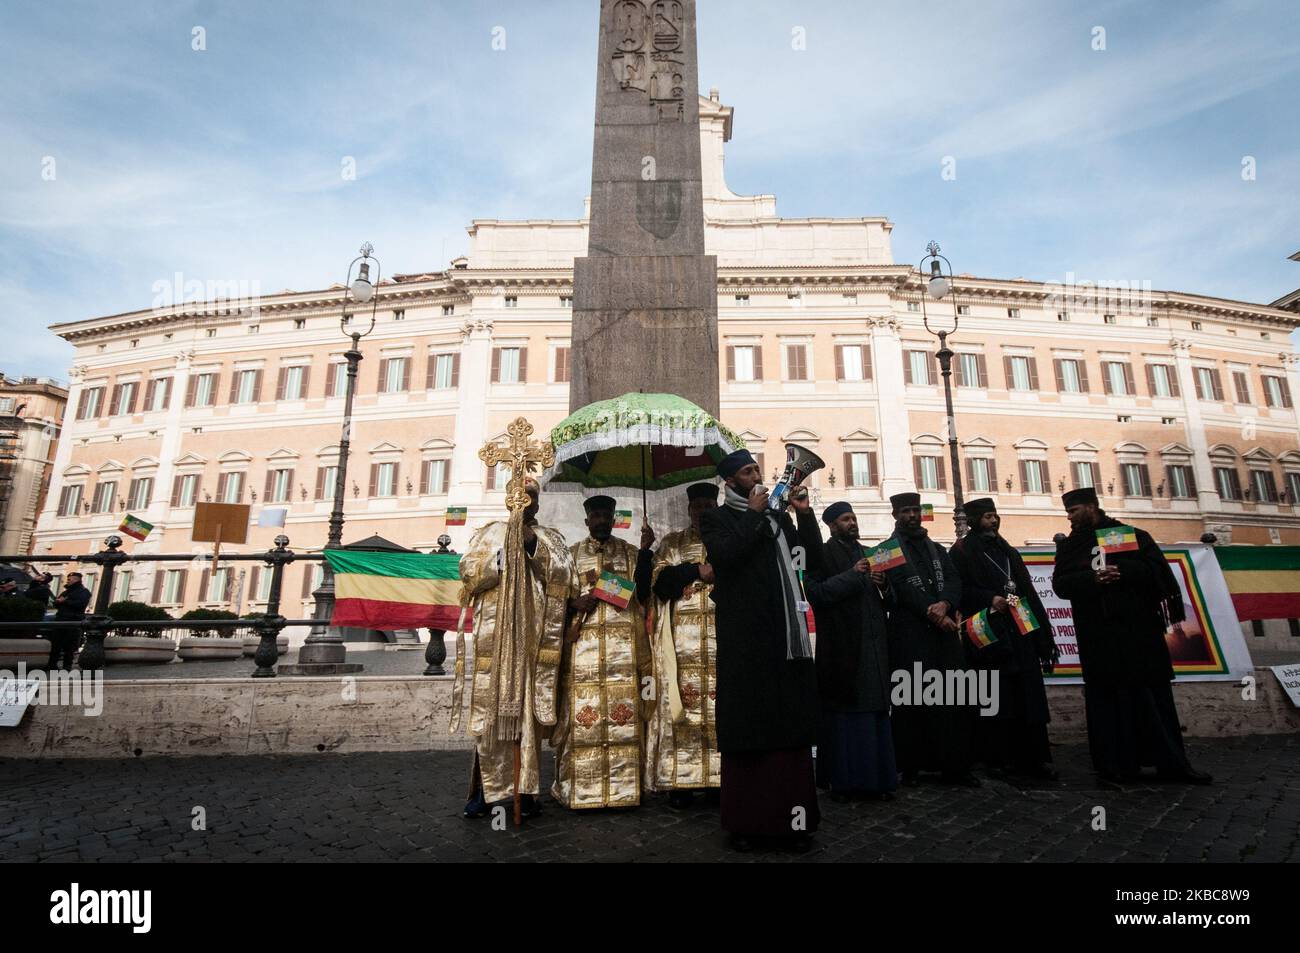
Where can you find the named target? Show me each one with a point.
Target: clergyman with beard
(1123, 605)
(994, 577)
(925, 637)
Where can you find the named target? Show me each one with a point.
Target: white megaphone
(800, 462)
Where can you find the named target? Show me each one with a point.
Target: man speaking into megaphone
(767, 705)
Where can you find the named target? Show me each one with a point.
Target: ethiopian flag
(456, 515)
(979, 631)
(135, 527)
(622, 519)
(1024, 616)
(927, 512)
(886, 556)
(396, 590)
(1117, 539)
(1264, 580)
(613, 589)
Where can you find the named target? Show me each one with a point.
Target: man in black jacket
(1123, 604)
(38, 590)
(855, 755)
(767, 705)
(994, 577)
(925, 641)
(69, 606)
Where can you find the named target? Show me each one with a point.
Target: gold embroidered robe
(598, 736)
(681, 740)
(551, 583)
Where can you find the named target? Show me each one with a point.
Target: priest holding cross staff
(516, 578)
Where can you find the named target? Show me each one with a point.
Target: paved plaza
(406, 806)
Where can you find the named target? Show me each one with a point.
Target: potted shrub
(214, 643)
(252, 639)
(127, 644)
(22, 645)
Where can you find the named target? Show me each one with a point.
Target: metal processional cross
(520, 454)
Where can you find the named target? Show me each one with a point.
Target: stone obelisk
(645, 307)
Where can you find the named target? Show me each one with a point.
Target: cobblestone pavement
(400, 806)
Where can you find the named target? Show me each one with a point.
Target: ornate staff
(507, 689)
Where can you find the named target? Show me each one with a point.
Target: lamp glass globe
(939, 286)
(362, 289)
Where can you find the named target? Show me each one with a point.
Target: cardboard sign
(1288, 676)
(221, 523)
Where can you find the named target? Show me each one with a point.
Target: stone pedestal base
(319, 668)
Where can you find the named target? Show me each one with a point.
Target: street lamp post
(940, 285)
(324, 651)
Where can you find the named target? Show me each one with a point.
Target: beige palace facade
(1178, 407)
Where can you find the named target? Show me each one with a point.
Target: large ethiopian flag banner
(396, 590)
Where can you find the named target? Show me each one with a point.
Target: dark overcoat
(852, 640)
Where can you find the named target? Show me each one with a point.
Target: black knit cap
(702, 491)
(598, 503)
(835, 511)
(900, 500)
(1080, 494)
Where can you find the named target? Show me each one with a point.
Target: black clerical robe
(927, 737)
(1017, 735)
(1120, 628)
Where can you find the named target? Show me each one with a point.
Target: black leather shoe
(475, 807)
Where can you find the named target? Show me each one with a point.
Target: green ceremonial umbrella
(651, 441)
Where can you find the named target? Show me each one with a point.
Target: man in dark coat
(855, 755)
(767, 705)
(69, 606)
(994, 577)
(38, 590)
(1123, 603)
(925, 641)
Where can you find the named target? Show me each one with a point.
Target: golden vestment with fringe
(681, 739)
(539, 637)
(598, 736)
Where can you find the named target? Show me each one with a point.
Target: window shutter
(789, 363)
(157, 586)
(270, 484)
(305, 382)
(1060, 375)
(374, 479)
(306, 580)
(1217, 383)
(112, 401)
(1047, 476)
(180, 585)
(81, 406)
(254, 577)
(1151, 380)
(491, 481)
(1024, 477)
(758, 362)
(1286, 391)
(148, 393)
(1006, 372)
(425, 467)
(228, 595)
(1105, 377)
(455, 371)
(938, 466)
(496, 365)
(320, 483)
(872, 471)
(993, 475)
(167, 393)
(1033, 373)
(1172, 372)
(523, 365)
(907, 367)
(397, 473)
(1083, 374)
(430, 371)
(1239, 385)
(1144, 476)
(731, 363)
(279, 383)
(331, 375)
(848, 469)
(958, 378)
(446, 478)
(222, 480)
(982, 366)
(1129, 387)
(916, 471)
(970, 474)
(288, 487)
(839, 362)
(176, 491)
(406, 373)
(383, 376)
(234, 385)
(203, 586)
(1191, 480)
(561, 365)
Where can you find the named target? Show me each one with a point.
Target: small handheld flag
(273, 516)
(135, 527)
(979, 631)
(456, 515)
(613, 589)
(1117, 539)
(927, 512)
(622, 519)
(1024, 616)
(886, 556)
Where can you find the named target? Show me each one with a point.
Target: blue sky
(225, 164)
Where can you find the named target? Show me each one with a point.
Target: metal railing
(97, 624)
